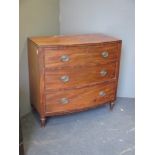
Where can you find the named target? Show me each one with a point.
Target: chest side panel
(36, 76)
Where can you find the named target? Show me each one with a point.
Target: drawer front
(81, 56)
(66, 78)
(82, 98)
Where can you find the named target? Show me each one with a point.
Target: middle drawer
(76, 77)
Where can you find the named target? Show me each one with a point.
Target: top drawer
(81, 56)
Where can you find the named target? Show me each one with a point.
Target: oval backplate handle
(64, 100)
(105, 54)
(102, 93)
(64, 58)
(103, 72)
(64, 78)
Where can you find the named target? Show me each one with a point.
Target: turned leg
(42, 121)
(112, 105)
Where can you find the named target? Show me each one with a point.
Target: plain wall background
(36, 17)
(112, 17)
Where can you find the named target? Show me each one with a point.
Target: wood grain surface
(69, 40)
(36, 77)
(81, 56)
(78, 76)
(86, 88)
(79, 98)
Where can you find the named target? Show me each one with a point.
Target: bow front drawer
(87, 55)
(82, 98)
(67, 77)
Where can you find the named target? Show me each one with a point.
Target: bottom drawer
(81, 98)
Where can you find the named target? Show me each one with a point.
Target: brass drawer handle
(64, 101)
(64, 58)
(64, 78)
(105, 54)
(103, 72)
(102, 93)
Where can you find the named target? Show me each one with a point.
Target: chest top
(73, 40)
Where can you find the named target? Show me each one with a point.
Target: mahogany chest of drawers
(72, 73)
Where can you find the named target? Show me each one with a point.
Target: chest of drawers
(72, 73)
